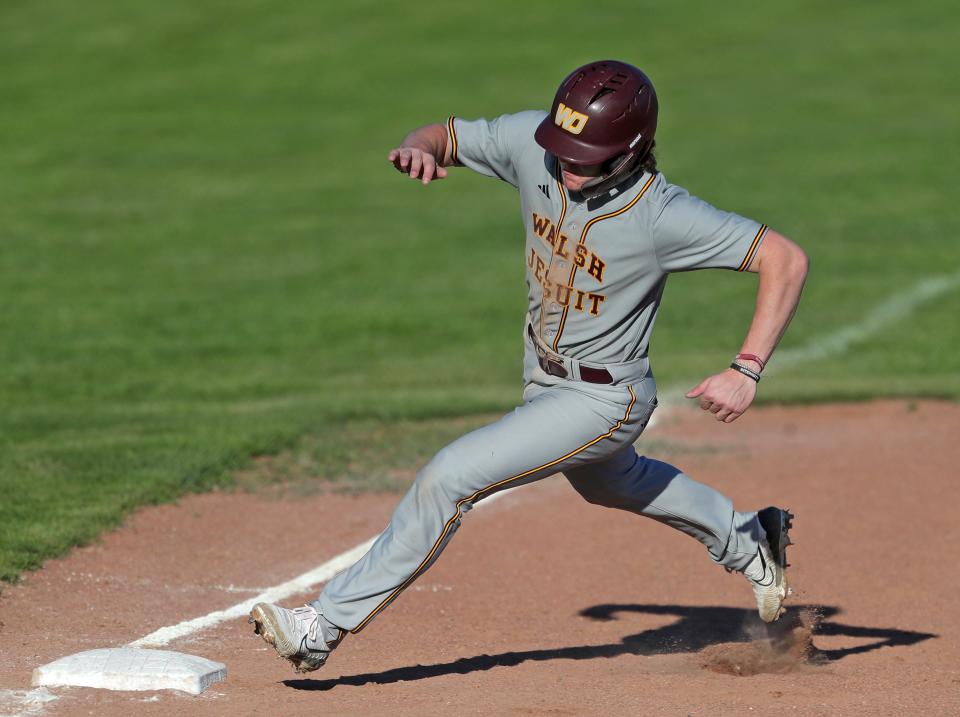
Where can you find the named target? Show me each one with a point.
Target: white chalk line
(25, 702)
(299, 585)
(893, 309)
(889, 311)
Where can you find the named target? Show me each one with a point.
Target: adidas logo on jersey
(545, 189)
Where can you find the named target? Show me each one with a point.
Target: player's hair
(649, 163)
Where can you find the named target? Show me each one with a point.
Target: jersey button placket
(557, 272)
(570, 228)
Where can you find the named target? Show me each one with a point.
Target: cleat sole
(262, 619)
(776, 524)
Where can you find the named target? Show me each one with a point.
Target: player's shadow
(694, 629)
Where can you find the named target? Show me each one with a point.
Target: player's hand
(726, 395)
(416, 163)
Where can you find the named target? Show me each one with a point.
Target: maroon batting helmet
(603, 113)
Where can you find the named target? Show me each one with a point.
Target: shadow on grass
(694, 629)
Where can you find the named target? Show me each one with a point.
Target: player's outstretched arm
(423, 154)
(782, 268)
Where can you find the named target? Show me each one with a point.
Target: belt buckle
(550, 366)
(558, 369)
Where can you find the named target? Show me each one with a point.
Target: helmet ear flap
(620, 169)
(616, 164)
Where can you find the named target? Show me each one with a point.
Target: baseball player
(604, 229)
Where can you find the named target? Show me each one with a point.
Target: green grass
(362, 456)
(204, 255)
(382, 456)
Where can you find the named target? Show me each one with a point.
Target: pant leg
(559, 427)
(661, 491)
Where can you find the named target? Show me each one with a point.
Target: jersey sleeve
(491, 147)
(688, 233)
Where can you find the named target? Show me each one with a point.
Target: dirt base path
(545, 605)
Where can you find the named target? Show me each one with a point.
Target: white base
(129, 668)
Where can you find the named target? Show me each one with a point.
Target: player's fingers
(697, 390)
(441, 172)
(705, 404)
(723, 414)
(393, 155)
(429, 168)
(716, 408)
(416, 162)
(732, 417)
(404, 159)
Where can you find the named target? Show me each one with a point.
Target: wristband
(752, 357)
(745, 371)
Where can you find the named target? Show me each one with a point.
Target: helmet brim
(567, 147)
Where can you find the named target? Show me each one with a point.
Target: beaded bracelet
(745, 371)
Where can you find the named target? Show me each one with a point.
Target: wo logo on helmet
(569, 119)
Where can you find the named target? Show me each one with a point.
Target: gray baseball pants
(584, 430)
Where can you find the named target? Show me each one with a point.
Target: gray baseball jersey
(596, 272)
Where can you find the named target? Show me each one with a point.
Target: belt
(554, 366)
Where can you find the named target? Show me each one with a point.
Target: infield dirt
(545, 605)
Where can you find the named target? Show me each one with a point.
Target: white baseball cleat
(768, 571)
(297, 635)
